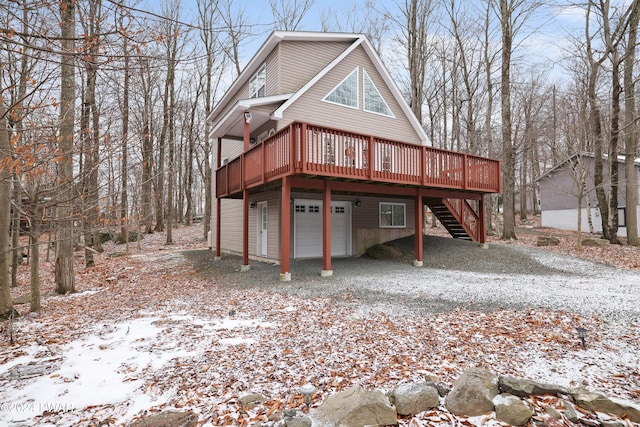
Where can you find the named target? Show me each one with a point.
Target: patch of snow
(109, 367)
(231, 323)
(236, 341)
(502, 399)
(104, 368)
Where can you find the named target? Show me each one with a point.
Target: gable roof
(548, 173)
(355, 39)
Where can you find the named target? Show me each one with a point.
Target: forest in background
(104, 104)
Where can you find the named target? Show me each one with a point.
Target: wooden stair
(448, 219)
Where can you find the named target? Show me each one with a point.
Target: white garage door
(308, 228)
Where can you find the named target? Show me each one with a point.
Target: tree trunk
(488, 62)
(25, 70)
(64, 276)
(85, 171)
(147, 150)
(34, 261)
(613, 147)
(6, 303)
(508, 162)
(124, 172)
(631, 129)
(595, 125)
(15, 231)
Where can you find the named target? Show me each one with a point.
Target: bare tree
(489, 57)
(212, 70)
(513, 15)
(358, 19)
(237, 30)
(465, 31)
(64, 275)
(146, 135)
(6, 303)
(630, 127)
(508, 154)
(171, 33)
(124, 165)
(288, 14)
(415, 38)
(90, 125)
(611, 37)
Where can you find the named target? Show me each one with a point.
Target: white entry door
(308, 228)
(263, 223)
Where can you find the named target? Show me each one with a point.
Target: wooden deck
(304, 149)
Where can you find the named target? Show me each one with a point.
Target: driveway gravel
(456, 274)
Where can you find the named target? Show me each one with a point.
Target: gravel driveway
(456, 274)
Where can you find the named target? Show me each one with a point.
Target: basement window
(393, 215)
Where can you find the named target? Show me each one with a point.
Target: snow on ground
(106, 369)
(146, 334)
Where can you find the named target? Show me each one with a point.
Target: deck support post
(245, 231)
(218, 253)
(326, 232)
(245, 197)
(285, 230)
(419, 223)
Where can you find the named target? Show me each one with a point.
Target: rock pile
(477, 392)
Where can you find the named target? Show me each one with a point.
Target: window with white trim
(258, 83)
(393, 215)
(346, 92)
(622, 216)
(373, 101)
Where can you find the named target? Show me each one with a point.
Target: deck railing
(306, 149)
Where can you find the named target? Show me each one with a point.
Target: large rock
(32, 369)
(381, 251)
(523, 387)
(547, 241)
(297, 422)
(250, 401)
(473, 393)
(597, 402)
(168, 419)
(511, 410)
(570, 412)
(356, 407)
(595, 242)
(410, 399)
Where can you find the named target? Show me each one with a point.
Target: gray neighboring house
(318, 155)
(559, 195)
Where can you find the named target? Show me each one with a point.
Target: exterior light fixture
(357, 203)
(247, 117)
(582, 334)
(307, 391)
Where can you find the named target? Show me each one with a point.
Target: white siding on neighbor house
(567, 219)
(311, 108)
